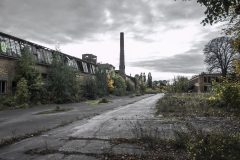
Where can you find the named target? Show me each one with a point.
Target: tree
(149, 80)
(26, 68)
(62, 82)
(180, 84)
(102, 81)
(90, 89)
(221, 10)
(219, 55)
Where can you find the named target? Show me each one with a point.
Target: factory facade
(10, 52)
(203, 82)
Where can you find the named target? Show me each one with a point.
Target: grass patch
(97, 101)
(57, 109)
(152, 91)
(181, 105)
(188, 145)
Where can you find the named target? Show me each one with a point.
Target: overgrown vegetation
(193, 105)
(89, 88)
(226, 95)
(26, 72)
(119, 85)
(180, 85)
(201, 143)
(62, 83)
(188, 144)
(22, 94)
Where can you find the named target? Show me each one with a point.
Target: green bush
(227, 95)
(142, 88)
(130, 86)
(119, 85)
(102, 82)
(7, 102)
(89, 88)
(151, 91)
(231, 95)
(103, 100)
(22, 93)
(188, 104)
(62, 82)
(26, 68)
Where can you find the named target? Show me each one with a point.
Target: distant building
(10, 52)
(203, 82)
(89, 58)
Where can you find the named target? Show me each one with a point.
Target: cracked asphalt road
(89, 138)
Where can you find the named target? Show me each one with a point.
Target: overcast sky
(164, 37)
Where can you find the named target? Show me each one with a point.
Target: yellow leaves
(110, 84)
(237, 67)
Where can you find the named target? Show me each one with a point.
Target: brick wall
(7, 72)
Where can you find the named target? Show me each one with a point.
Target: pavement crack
(15, 139)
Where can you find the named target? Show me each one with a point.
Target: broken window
(40, 56)
(93, 69)
(205, 79)
(18, 49)
(85, 68)
(3, 87)
(13, 47)
(205, 88)
(72, 63)
(49, 56)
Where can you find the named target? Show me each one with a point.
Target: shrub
(151, 91)
(130, 86)
(90, 89)
(22, 93)
(119, 85)
(110, 84)
(142, 88)
(226, 94)
(7, 101)
(102, 83)
(103, 100)
(62, 82)
(26, 68)
(188, 105)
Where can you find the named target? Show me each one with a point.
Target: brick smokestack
(122, 58)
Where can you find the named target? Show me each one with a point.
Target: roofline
(37, 45)
(206, 74)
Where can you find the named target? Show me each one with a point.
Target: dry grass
(191, 104)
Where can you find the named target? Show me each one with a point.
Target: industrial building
(10, 52)
(203, 82)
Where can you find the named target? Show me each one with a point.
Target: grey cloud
(73, 20)
(189, 62)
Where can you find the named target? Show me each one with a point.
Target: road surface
(88, 138)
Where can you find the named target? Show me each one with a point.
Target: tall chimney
(122, 59)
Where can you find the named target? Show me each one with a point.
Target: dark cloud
(73, 20)
(189, 62)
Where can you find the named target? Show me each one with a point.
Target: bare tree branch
(219, 55)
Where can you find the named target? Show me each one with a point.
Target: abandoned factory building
(203, 82)
(10, 52)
